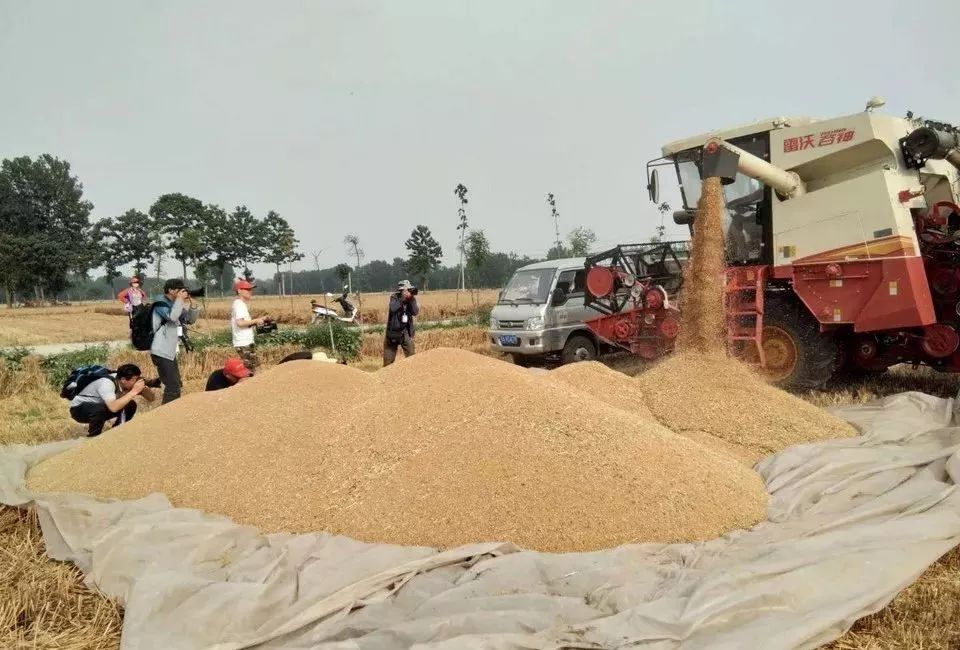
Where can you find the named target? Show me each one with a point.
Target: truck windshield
(528, 286)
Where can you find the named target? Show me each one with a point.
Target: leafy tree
(343, 272)
(663, 209)
(425, 254)
(552, 202)
(132, 229)
(557, 252)
(218, 241)
(477, 252)
(280, 243)
(581, 239)
(110, 253)
(247, 239)
(179, 217)
(45, 232)
(461, 193)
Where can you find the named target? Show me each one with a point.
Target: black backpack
(82, 377)
(141, 327)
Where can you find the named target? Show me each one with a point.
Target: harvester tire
(578, 348)
(790, 329)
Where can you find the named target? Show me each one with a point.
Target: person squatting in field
(400, 327)
(98, 402)
(233, 372)
(171, 313)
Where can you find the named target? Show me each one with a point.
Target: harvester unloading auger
(842, 243)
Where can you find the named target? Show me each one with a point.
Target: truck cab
(540, 314)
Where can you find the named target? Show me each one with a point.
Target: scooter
(323, 313)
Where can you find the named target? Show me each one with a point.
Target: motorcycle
(324, 313)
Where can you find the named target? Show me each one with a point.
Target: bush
(13, 357)
(346, 339)
(57, 367)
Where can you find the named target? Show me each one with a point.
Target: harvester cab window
(746, 200)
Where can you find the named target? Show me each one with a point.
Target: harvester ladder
(745, 287)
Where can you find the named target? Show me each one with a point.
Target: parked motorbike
(325, 313)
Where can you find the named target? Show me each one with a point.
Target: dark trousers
(169, 373)
(96, 414)
(390, 349)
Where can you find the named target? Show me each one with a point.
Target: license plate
(509, 340)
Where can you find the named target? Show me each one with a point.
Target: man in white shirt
(98, 402)
(242, 326)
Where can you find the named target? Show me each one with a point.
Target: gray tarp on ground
(851, 523)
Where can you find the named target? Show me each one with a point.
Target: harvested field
(434, 306)
(443, 449)
(726, 405)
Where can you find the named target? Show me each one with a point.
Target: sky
(361, 116)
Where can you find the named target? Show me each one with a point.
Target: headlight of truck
(535, 323)
(493, 323)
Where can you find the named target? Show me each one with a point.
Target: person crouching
(233, 372)
(99, 402)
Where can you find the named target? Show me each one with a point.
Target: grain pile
(445, 448)
(727, 406)
(703, 327)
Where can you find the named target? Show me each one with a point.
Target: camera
(152, 383)
(413, 291)
(197, 293)
(269, 325)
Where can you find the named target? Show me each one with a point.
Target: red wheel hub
(600, 281)
(940, 340)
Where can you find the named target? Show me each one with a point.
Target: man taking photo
(97, 402)
(400, 328)
(242, 326)
(170, 314)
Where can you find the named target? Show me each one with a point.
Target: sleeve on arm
(106, 390)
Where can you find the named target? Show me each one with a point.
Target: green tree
(45, 232)
(110, 253)
(218, 241)
(132, 229)
(461, 193)
(281, 244)
(425, 254)
(179, 218)
(343, 271)
(247, 239)
(581, 239)
(663, 209)
(477, 253)
(557, 252)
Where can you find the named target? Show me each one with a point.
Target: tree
(557, 252)
(247, 242)
(281, 243)
(581, 239)
(45, 232)
(343, 272)
(477, 252)
(461, 193)
(353, 247)
(179, 218)
(132, 229)
(551, 201)
(425, 254)
(218, 241)
(663, 209)
(109, 248)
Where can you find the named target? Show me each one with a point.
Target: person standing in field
(133, 297)
(400, 327)
(242, 326)
(170, 313)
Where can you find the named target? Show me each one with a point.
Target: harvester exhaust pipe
(927, 142)
(721, 158)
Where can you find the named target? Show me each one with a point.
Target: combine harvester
(842, 247)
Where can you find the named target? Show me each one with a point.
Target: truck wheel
(797, 354)
(578, 348)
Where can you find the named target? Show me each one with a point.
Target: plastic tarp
(851, 523)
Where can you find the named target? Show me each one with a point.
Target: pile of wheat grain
(726, 405)
(445, 448)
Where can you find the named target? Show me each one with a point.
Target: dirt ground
(44, 605)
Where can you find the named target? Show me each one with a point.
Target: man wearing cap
(242, 326)
(170, 313)
(233, 372)
(400, 327)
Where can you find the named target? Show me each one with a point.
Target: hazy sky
(362, 116)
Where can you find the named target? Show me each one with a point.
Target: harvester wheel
(797, 354)
(579, 348)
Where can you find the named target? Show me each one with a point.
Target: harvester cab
(841, 237)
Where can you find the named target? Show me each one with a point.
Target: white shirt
(242, 336)
(102, 390)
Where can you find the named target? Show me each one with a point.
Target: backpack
(141, 327)
(82, 377)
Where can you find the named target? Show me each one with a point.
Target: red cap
(236, 368)
(243, 284)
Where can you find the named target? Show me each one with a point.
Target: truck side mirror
(559, 297)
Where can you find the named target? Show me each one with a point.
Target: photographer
(243, 327)
(400, 327)
(97, 402)
(170, 313)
